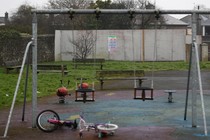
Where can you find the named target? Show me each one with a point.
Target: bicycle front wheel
(43, 120)
(107, 127)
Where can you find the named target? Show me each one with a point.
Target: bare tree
(63, 21)
(148, 21)
(62, 4)
(21, 20)
(83, 44)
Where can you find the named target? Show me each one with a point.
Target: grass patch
(49, 82)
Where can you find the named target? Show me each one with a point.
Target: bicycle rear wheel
(43, 122)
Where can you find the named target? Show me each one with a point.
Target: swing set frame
(192, 72)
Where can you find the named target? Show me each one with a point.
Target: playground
(166, 114)
(157, 119)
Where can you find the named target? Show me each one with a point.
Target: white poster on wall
(112, 42)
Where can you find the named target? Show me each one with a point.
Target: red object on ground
(62, 91)
(84, 85)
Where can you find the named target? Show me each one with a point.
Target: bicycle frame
(100, 128)
(62, 122)
(86, 126)
(49, 120)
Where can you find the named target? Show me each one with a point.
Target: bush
(6, 35)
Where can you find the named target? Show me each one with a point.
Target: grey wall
(170, 45)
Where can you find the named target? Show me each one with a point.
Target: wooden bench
(12, 65)
(103, 75)
(88, 62)
(57, 68)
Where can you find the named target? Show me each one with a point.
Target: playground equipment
(84, 88)
(195, 68)
(170, 95)
(62, 92)
(138, 87)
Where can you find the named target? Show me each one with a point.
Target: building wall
(138, 45)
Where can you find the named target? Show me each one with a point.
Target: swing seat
(84, 98)
(143, 93)
(85, 89)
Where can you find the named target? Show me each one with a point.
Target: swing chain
(157, 14)
(131, 12)
(97, 12)
(71, 13)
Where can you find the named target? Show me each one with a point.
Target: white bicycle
(102, 129)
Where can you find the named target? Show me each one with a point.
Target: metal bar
(194, 14)
(194, 73)
(26, 84)
(188, 84)
(201, 89)
(117, 11)
(34, 70)
(16, 89)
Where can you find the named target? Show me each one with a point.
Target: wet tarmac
(137, 120)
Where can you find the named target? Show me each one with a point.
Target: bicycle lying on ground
(102, 129)
(49, 120)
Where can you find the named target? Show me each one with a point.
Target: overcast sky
(11, 6)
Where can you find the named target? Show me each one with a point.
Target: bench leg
(76, 96)
(7, 71)
(152, 94)
(102, 83)
(134, 94)
(17, 70)
(143, 95)
(93, 95)
(140, 82)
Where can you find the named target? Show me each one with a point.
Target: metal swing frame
(34, 12)
(194, 13)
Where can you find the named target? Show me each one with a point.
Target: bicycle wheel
(107, 127)
(43, 122)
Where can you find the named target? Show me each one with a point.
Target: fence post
(204, 52)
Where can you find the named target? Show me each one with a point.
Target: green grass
(49, 82)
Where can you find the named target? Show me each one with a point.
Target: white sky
(11, 6)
